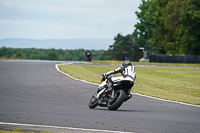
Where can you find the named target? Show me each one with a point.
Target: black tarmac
(34, 92)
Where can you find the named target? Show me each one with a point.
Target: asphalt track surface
(36, 93)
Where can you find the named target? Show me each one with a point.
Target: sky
(67, 19)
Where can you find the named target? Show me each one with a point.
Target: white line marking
(71, 76)
(132, 93)
(166, 100)
(57, 127)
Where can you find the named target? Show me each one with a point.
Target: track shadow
(121, 110)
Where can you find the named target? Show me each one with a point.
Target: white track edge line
(57, 127)
(132, 93)
(71, 76)
(166, 100)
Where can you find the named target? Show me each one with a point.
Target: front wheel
(93, 102)
(116, 102)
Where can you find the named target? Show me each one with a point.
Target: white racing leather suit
(127, 69)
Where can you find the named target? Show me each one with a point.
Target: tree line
(49, 54)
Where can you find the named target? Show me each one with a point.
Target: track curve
(36, 93)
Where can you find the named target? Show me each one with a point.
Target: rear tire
(119, 98)
(93, 102)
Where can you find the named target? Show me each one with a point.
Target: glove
(104, 75)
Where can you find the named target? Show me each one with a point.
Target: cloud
(64, 19)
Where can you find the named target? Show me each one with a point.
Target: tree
(169, 26)
(53, 56)
(123, 48)
(146, 30)
(189, 32)
(19, 55)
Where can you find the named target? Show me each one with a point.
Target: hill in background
(96, 44)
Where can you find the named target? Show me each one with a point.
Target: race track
(36, 93)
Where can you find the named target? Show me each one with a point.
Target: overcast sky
(67, 19)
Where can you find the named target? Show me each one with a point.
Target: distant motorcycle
(89, 58)
(122, 87)
(88, 55)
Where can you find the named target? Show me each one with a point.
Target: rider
(127, 69)
(88, 53)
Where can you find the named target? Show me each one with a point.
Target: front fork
(100, 92)
(113, 94)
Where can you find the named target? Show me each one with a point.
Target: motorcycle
(113, 99)
(89, 58)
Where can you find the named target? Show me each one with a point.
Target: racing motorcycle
(89, 58)
(113, 99)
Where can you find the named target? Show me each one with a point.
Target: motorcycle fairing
(124, 83)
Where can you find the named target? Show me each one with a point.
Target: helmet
(126, 63)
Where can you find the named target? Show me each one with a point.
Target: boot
(129, 96)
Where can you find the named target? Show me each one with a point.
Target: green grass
(19, 131)
(86, 72)
(176, 84)
(114, 62)
(9, 58)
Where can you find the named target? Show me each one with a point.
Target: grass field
(176, 84)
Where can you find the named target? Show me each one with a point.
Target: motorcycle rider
(127, 69)
(88, 53)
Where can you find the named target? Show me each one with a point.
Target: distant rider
(88, 54)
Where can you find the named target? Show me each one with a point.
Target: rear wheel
(116, 102)
(93, 102)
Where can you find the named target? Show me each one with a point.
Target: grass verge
(176, 84)
(113, 62)
(19, 131)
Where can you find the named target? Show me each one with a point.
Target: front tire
(93, 102)
(117, 101)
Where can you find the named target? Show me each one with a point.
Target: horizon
(70, 44)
